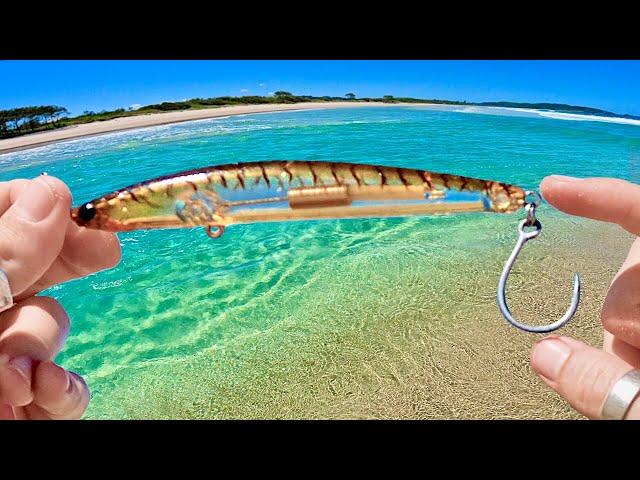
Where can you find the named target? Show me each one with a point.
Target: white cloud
(135, 106)
(244, 90)
(262, 84)
(272, 93)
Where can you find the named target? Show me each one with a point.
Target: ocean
(332, 318)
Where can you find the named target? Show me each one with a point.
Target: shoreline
(93, 129)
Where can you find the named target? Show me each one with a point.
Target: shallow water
(367, 318)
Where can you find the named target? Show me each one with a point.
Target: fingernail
(22, 365)
(549, 356)
(563, 178)
(36, 201)
(71, 384)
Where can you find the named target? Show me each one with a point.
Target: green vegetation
(25, 120)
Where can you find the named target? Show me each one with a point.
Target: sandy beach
(154, 119)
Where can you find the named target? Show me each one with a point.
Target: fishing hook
(531, 221)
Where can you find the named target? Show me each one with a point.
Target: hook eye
(532, 234)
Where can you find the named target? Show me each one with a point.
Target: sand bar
(154, 119)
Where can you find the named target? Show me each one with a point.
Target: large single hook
(531, 221)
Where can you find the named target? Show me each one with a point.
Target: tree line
(280, 96)
(22, 120)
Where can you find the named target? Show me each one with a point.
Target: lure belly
(219, 196)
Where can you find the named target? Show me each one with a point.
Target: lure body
(218, 196)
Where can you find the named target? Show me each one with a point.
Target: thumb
(581, 374)
(32, 231)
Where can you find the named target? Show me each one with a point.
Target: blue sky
(97, 85)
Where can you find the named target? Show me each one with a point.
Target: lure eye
(86, 212)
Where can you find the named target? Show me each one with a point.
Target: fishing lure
(219, 196)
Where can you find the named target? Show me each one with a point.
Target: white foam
(577, 117)
(588, 118)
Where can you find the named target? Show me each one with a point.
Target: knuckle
(57, 312)
(13, 244)
(19, 242)
(10, 233)
(587, 382)
(9, 192)
(60, 189)
(630, 220)
(115, 254)
(619, 320)
(609, 319)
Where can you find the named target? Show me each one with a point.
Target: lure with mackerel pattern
(218, 196)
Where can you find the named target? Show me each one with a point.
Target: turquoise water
(177, 295)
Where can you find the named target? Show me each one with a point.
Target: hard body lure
(219, 196)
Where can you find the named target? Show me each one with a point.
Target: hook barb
(501, 297)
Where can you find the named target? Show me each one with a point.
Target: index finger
(606, 199)
(84, 251)
(32, 229)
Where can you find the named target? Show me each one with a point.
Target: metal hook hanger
(531, 221)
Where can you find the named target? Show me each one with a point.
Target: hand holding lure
(219, 196)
